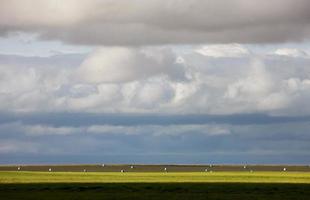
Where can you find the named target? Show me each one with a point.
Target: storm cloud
(155, 22)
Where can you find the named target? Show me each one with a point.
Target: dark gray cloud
(59, 60)
(38, 141)
(138, 22)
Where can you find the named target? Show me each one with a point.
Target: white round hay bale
(132, 167)
(103, 165)
(50, 169)
(284, 169)
(122, 171)
(206, 170)
(84, 170)
(244, 167)
(18, 168)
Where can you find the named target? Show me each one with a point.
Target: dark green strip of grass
(150, 191)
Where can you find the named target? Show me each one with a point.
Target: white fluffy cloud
(255, 86)
(138, 22)
(172, 130)
(218, 51)
(39, 130)
(290, 52)
(159, 80)
(120, 64)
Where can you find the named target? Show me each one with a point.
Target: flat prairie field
(154, 185)
(154, 177)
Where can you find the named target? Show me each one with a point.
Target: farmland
(174, 183)
(157, 168)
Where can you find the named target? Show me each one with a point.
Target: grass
(116, 185)
(154, 177)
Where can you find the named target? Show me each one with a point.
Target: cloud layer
(136, 98)
(24, 142)
(198, 80)
(161, 104)
(138, 22)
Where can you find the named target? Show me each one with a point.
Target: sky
(157, 81)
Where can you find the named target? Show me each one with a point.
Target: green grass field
(116, 185)
(155, 177)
